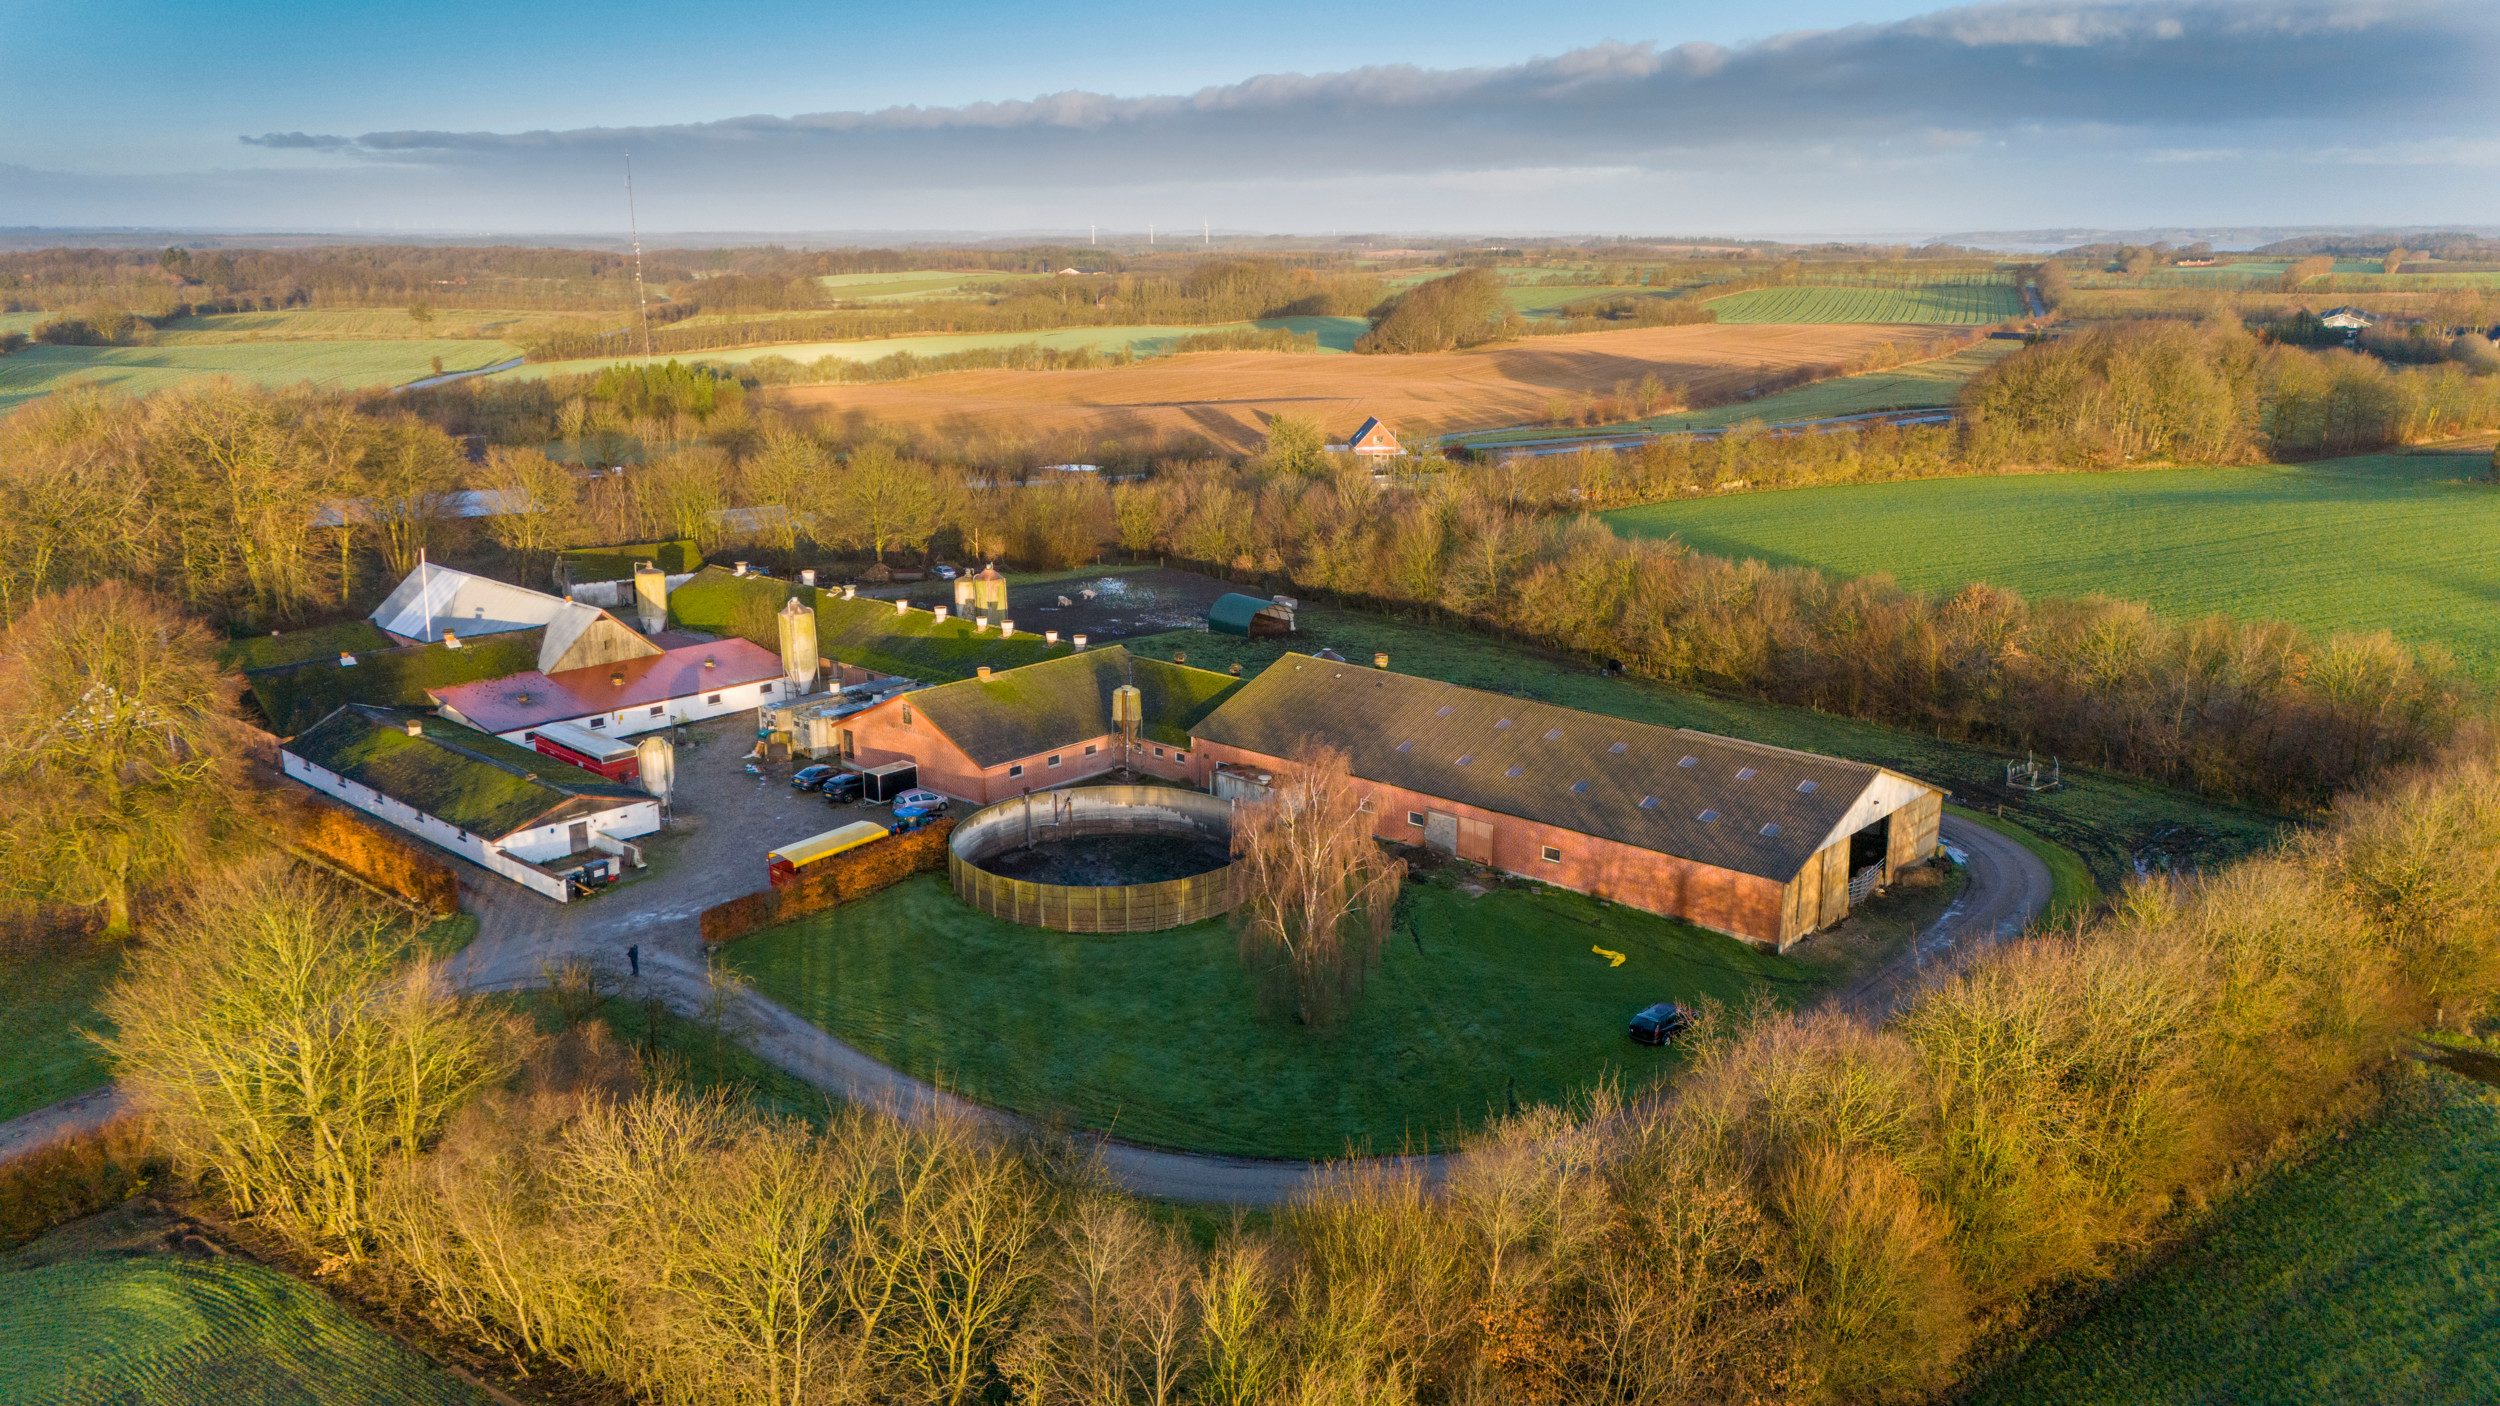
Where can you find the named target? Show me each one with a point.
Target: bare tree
(1318, 890)
(541, 500)
(118, 755)
(410, 475)
(888, 501)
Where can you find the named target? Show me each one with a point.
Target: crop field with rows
(1953, 305)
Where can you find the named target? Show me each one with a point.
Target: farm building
(1048, 724)
(1236, 614)
(2348, 319)
(641, 694)
(1372, 440)
(532, 819)
(434, 601)
(1763, 843)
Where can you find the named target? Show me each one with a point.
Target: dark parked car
(1660, 1023)
(808, 778)
(911, 818)
(840, 788)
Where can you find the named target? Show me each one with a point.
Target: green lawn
(90, 1318)
(1957, 305)
(1157, 1037)
(2369, 1274)
(2397, 542)
(697, 1052)
(2103, 817)
(1920, 384)
(47, 1002)
(138, 370)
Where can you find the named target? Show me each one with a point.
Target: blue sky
(1787, 116)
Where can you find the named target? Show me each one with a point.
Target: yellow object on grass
(1613, 959)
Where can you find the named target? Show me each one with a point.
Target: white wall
(615, 593)
(625, 821)
(692, 708)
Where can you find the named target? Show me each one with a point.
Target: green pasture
(1921, 384)
(2104, 818)
(1159, 1038)
(1336, 334)
(358, 324)
(1952, 305)
(90, 1317)
(2368, 1274)
(2400, 542)
(37, 371)
(47, 1003)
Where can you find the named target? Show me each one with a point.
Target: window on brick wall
(1158, 751)
(1016, 770)
(1091, 748)
(1553, 854)
(1415, 817)
(1054, 759)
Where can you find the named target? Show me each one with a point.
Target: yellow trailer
(784, 864)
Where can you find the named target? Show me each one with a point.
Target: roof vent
(1617, 749)
(1514, 771)
(415, 728)
(1806, 786)
(1746, 773)
(1771, 829)
(1554, 735)
(984, 672)
(617, 678)
(710, 663)
(1707, 816)
(347, 661)
(1690, 761)
(522, 697)
(1579, 788)
(450, 640)
(1649, 802)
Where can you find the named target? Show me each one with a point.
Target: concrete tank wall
(1092, 810)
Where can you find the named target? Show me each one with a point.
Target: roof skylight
(1690, 761)
(1579, 788)
(1707, 816)
(1806, 786)
(1746, 773)
(1514, 771)
(1617, 749)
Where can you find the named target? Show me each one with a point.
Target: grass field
(47, 1001)
(1971, 305)
(688, 1051)
(365, 324)
(1336, 334)
(1157, 1037)
(1227, 398)
(139, 370)
(2369, 1274)
(1923, 383)
(90, 1317)
(2396, 542)
(2105, 819)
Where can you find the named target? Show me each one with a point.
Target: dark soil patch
(1103, 861)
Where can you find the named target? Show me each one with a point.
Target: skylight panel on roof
(1771, 829)
(1503, 724)
(1553, 735)
(1445, 711)
(1514, 771)
(1806, 786)
(1649, 802)
(1617, 749)
(1707, 816)
(1746, 773)
(1690, 761)
(1579, 788)
(1465, 760)
(1406, 746)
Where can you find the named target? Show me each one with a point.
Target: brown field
(1225, 399)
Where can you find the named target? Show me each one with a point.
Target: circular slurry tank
(1097, 859)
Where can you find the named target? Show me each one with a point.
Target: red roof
(526, 700)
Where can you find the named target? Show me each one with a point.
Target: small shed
(1236, 614)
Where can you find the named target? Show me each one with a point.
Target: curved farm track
(1225, 399)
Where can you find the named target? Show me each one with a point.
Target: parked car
(840, 788)
(1660, 1023)
(921, 799)
(808, 778)
(946, 573)
(911, 818)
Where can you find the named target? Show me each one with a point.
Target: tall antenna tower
(633, 225)
(1206, 232)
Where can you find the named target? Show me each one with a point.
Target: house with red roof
(618, 699)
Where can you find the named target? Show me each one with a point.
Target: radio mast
(633, 226)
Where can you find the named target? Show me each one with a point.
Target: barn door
(1475, 840)
(1441, 831)
(578, 839)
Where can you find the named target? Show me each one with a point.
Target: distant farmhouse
(1372, 441)
(2348, 319)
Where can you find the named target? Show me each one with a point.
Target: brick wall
(879, 735)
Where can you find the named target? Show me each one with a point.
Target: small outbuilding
(1373, 441)
(1237, 614)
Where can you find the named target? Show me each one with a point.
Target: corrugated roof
(530, 698)
(478, 783)
(1635, 783)
(432, 599)
(1020, 712)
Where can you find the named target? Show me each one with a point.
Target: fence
(1093, 810)
(853, 874)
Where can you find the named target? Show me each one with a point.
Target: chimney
(808, 577)
(983, 672)
(414, 728)
(799, 658)
(650, 597)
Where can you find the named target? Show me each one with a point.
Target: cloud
(298, 141)
(1959, 116)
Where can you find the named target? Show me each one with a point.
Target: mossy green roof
(481, 784)
(617, 563)
(868, 633)
(1025, 711)
(296, 696)
(303, 646)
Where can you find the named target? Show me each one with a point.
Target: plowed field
(1227, 398)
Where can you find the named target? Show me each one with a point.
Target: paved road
(522, 937)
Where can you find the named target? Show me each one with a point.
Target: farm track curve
(522, 938)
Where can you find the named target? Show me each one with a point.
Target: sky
(1796, 118)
